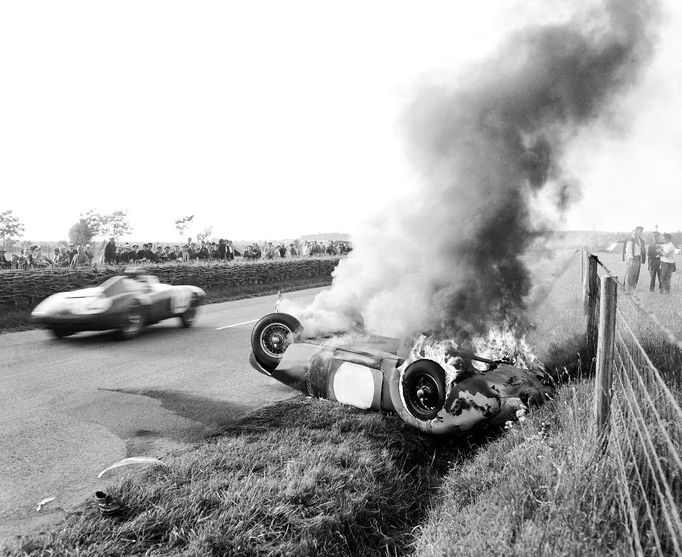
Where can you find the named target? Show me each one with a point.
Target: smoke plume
(450, 261)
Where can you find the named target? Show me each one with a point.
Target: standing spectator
(653, 261)
(634, 255)
(110, 252)
(80, 259)
(292, 250)
(230, 252)
(222, 249)
(668, 267)
(71, 252)
(89, 254)
(282, 251)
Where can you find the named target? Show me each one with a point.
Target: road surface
(71, 407)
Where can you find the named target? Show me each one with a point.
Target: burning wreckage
(466, 392)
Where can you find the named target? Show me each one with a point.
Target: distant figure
(667, 251)
(80, 259)
(110, 252)
(634, 255)
(654, 261)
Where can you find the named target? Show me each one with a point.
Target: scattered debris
(132, 460)
(44, 502)
(107, 504)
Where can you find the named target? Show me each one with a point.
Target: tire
(188, 317)
(271, 336)
(132, 322)
(424, 389)
(61, 333)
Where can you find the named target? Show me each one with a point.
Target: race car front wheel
(133, 321)
(424, 389)
(61, 333)
(271, 336)
(188, 317)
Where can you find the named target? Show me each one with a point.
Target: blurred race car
(126, 302)
(417, 389)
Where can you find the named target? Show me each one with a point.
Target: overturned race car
(125, 302)
(417, 389)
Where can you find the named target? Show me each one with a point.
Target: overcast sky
(273, 119)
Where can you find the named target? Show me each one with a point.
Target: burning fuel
(488, 149)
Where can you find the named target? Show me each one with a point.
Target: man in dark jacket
(110, 252)
(654, 261)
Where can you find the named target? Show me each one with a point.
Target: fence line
(645, 423)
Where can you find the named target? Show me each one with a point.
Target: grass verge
(303, 477)
(539, 490)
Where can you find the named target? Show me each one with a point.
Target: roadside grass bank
(538, 490)
(303, 477)
(15, 318)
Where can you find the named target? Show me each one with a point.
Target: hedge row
(33, 285)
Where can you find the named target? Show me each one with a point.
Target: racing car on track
(125, 302)
(417, 389)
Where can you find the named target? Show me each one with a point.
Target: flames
(499, 343)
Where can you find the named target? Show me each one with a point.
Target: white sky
(272, 119)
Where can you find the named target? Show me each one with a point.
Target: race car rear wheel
(424, 389)
(271, 336)
(188, 317)
(133, 321)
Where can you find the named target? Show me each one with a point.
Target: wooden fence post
(605, 347)
(591, 301)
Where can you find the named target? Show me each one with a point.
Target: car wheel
(424, 389)
(61, 333)
(188, 317)
(271, 336)
(133, 321)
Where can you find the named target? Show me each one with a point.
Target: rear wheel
(424, 389)
(271, 336)
(133, 321)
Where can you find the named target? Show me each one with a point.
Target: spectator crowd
(71, 255)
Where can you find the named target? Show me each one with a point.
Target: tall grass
(299, 478)
(539, 490)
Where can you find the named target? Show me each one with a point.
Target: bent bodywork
(418, 391)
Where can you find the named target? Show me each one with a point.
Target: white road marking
(236, 325)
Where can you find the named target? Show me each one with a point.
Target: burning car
(126, 303)
(467, 392)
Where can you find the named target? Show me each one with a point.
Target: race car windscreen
(118, 285)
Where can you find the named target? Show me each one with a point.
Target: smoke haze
(450, 260)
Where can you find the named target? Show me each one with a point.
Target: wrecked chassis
(418, 392)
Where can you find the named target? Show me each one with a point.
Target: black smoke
(486, 146)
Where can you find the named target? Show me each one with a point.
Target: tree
(182, 224)
(115, 224)
(81, 232)
(204, 234)
(10, 227)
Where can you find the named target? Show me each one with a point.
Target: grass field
(315, 478)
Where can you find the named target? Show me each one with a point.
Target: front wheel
(271, 336)
(133, 321)
(424, 389)
(61, 333)
(188, 317)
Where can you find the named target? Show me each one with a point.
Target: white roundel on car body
(180, 300)
(354, 385)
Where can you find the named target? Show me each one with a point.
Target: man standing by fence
(667, 250)
(654, 262)
(634, 255)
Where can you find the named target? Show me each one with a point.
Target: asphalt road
(71, 407)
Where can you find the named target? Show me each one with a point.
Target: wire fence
(646, 427)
